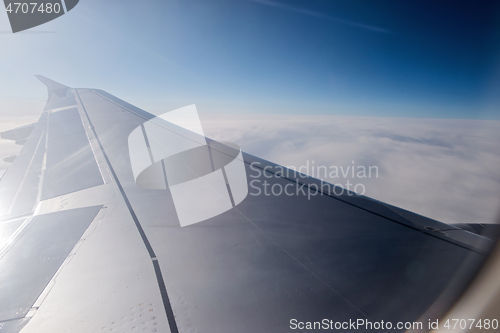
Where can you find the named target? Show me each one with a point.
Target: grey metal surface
(64, 123)
(27, 195)
(13, 326)
(8, 228)
(37, 254)
(109, 284)
(59, 94)
(275, 258)
(490, 231)
(55, 101)
(9, 159)
(272, 258)
(23, 174)
(19, 133)
(71, 165)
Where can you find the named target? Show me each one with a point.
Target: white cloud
(444, 169)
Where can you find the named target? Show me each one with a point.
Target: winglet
(53, 86)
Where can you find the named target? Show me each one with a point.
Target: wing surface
(106, 249)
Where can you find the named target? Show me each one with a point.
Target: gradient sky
(425, 59)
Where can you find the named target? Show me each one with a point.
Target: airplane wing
(113, 219)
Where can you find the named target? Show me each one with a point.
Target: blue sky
(364, 58)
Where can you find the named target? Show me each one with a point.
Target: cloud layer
(444, 169)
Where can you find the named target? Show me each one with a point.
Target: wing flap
(31, 260)
(71, 164)
(19, 133)
(21, 182)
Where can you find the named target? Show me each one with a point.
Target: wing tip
(51, 85)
